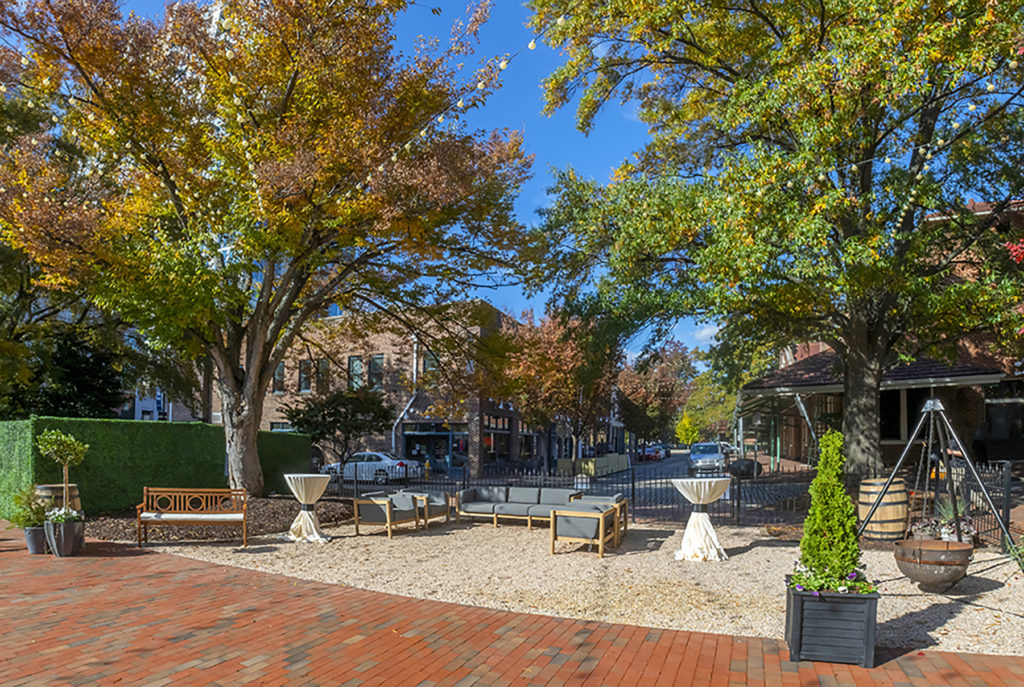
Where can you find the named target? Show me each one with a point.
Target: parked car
(654, 452)
(374, 466)
(729, 449)
(707, 457)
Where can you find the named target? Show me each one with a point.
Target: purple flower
(799, 587)
(852, 576)
(815, 592)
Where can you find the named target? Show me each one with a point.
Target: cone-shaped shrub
(829, 549)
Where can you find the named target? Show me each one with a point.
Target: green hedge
(15, 469)
(126, 455)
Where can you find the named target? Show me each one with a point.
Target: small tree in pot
(65, 530)
(828, 588)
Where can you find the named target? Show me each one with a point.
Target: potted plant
(947, 519)
(831, 607)
(65, 530)
(66, 450)
(30, 514)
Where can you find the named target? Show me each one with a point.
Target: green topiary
(64, 449)
(829, 549)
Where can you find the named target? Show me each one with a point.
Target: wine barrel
(890, 520)
(56, 492)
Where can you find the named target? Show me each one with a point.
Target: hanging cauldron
(936, 565)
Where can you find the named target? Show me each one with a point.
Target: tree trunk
(241, 427)
(862, 410)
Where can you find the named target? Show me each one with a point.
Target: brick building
(410, 369)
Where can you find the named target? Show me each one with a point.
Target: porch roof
(819, 374)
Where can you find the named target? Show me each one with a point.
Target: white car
(707, 457)
(374, 466)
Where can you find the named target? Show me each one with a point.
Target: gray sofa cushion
(587, 528)
(523, 495)
(377, 513)
(492, 494)
(513, 508)
(557, 497)
(542, 510)
(478, 507)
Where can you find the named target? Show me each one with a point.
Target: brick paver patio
(115, 615)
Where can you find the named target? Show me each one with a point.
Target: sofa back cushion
(523, 494)
(492, 494)
(556, 497)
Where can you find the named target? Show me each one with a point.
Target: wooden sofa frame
(389, 510)
(203, 504)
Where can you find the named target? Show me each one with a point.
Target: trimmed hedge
(15, 470)
(126, 455)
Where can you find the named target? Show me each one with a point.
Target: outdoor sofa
(523, 503)
(377, 508)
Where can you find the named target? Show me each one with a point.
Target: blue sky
(554, 141)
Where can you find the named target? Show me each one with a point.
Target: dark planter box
(65, 538)
(838, 628)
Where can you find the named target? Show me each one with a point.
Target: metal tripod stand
(941, 438)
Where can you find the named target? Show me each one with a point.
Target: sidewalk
(117, 615)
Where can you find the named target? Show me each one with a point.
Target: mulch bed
(267, 515)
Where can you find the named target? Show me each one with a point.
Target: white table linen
(307, 489)
(700, 543)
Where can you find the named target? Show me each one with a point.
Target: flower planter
(35, 539)
(934, 564)
(838, 628)
(65, 538)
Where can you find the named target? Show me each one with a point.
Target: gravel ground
(639, 583)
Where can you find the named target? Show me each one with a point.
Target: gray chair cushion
(372, 512)
(556, 497)
(595, 498)
(492, 494)
(523, 495)
(468, 495)
(403, 501)
(513, 508)
(568, 526)
(478, 507)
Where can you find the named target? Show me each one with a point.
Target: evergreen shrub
(829, 548)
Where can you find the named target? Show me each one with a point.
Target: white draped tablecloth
(307, 489)
(699, 540)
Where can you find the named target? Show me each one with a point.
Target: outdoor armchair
(378, 508)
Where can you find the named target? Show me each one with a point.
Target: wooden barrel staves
(889, 523)
(56, 493)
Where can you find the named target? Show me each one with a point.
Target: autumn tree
(809, 176)
(654, 388)
(559, 370)
(246, 163)
(342, 417)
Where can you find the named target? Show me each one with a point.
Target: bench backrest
(165, 500)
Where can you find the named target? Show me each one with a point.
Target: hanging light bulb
(233, 79)
(461, 103)
(822, 177)
(921, 150)
(888, 160)
(941, 141)
(479, 85)
(229, 53)
(990, 87)
(853, 168)
(972, 107)
(440, 119)
(955, 124)
(1013, 64)
(423, 133)
(503, 65)
(532, 45)
(561, 20)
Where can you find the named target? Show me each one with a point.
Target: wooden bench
(163, 506)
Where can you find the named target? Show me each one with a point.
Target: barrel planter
(55, 492)
(838, 628)
(889, 523)
(934, 564)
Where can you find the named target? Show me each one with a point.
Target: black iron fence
(769, 498)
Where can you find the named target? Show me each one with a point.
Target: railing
(780, 497)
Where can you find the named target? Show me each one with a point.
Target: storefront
(446, 446)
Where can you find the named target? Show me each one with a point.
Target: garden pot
(838, 628)
(35, 539)
(934, 564)
(65, 538)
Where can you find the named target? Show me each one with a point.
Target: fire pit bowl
(934, 564)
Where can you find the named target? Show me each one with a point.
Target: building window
(377, 372)
(279, 378)
(355, 372)
(429, 362)
(280, 427)
(323, 376)
(305, 376)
